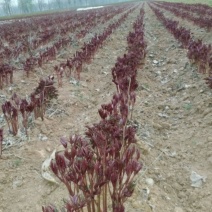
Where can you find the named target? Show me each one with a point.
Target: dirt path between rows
(174, 113)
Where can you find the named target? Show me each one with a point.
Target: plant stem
(131, 116)
(93, 205)
(8, 123)
(98, 202)
(128, 105)
(89, 207)
(105, 198)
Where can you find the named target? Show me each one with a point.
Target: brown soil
(173, 114)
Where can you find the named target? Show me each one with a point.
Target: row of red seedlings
(50, 53)
(6, 70)
(18, 34)
(100, 168)
(198, 52)
(87, 52)
(201, 21)
(199, 9)
(20, 41)
(39, 99)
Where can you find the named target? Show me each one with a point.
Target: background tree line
(29, 6)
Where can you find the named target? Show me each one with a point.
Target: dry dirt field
(173, 116)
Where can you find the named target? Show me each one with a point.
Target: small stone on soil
(177, 209)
